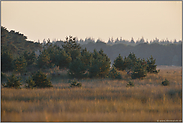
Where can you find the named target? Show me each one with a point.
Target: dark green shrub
(165, 83)
(174, 93)
(30, 83)
(75, 83)
(41, 80)
(13, 82)
(114, 74)
(130, 83)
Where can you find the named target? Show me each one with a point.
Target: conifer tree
(6, 61)
(71, 47)
(139, 71)
(41, 80)
(100, 64)
(64, 59)
(114, 74)
(119, 63)
(20, 64)
(77, 68)
(44, 60)
(29, 57)
(151, 66)
(13, 82)
(86, 58)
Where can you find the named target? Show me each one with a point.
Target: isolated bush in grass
(114, 74)
(75, 83)
(30, 83)
(130, 83)
(165, 82)
(13, 82)
(41, 80)
(139, 71)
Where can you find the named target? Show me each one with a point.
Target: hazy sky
(104, 19)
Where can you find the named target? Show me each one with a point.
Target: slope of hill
(16, 42)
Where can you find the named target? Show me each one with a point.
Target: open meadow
(98, 99)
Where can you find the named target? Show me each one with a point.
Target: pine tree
(13, 82)
(70, 44)
(64, 59)
(6, 61)
(20, 64)
(114, 74)
(100, 64)
(41, 80)
(44, 60)
(86, 58)
(77, 68)
(71, 47)
(151, 66)
(29, 57)
(119, 63)
(139, 71)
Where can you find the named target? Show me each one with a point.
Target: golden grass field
(98, 99)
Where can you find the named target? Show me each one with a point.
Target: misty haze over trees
(165, 52)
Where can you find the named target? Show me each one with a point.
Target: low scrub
(13, 82)
(30, 83)
(41, 80)
(114, 74)
(165, 83)
(75, 83)
(130, 83)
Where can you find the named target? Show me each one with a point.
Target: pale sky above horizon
(96, 19)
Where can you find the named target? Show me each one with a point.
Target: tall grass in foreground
(97, 100)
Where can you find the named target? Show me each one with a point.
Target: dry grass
(98, 100)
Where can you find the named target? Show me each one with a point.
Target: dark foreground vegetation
(80, 64)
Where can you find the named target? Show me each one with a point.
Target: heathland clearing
(98, 99)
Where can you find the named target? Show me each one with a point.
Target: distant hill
(16, 42)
